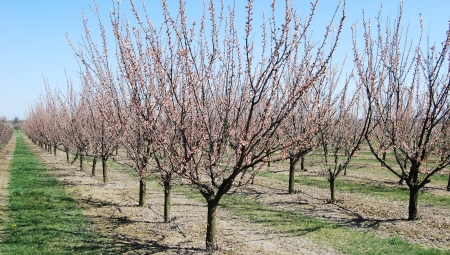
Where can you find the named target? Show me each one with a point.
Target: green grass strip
(43, 219)
(375, 190)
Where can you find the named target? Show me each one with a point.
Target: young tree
(407, 86)
(52, 117)
(345, 132)
(6, 132)
(136, 70)
(123, 99)
(99, 88)
(63, 123)
(201, 102)
(35, 126)
(94, 125)
(312, 115)
(225, 104)
(163, 151)
(75, 112)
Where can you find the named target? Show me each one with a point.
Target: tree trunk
(81, 162)
(74, 159)
(253, 179)
(105, 170)
(302, 163)
(383, 157)
(54, 150)
(211, 226)
(167, 189)
(94, 163)
(448, 184)
(268, 158)
(332, 191)
(148, 147)
(413, 197)
(67, 156)
(292, 163)
(142, 191)
(403, 177)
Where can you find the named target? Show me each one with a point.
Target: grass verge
(43, 219)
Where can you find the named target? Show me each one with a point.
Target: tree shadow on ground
(359, 221)
(151, 242)
(125, 244)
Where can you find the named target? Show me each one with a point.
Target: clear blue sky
(33, 44)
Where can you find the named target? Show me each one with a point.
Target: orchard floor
(368, 214)
(6, 154)
(113, 211)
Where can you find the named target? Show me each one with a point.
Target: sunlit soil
(113, 210)
(6, 155)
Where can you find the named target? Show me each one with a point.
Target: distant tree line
(6, 132)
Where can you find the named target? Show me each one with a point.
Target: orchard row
(207, 104)
(6, 132)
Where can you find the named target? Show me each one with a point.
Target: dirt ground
(366, 214)
(6, 154)
(112, 211)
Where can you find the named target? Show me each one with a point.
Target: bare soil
(364, 213)
(6, 154)
(113, 211)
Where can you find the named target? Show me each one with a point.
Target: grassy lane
(43, 219)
